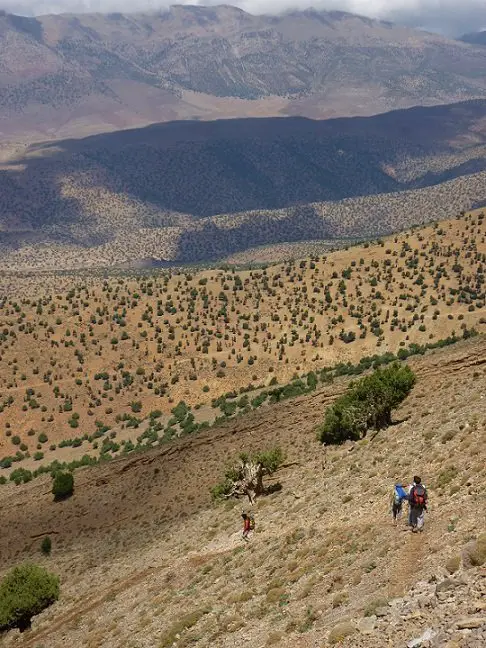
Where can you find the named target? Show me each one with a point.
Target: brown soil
(139, 547)
(193, 336)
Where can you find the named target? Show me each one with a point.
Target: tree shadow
(399, 421)
(62, 497)
(272, 488)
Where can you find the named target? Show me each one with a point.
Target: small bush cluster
(24, 592)
(62, 485)
(46, 545)
(367, 404)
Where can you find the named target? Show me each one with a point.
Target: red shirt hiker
(246, 525)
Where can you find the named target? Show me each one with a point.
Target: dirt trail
(85, 605)
(406, 569)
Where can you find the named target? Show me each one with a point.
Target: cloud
(452, 17)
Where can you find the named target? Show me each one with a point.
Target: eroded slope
(144, 559)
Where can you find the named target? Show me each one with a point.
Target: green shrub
(20, 475)
(46, 545)
(62, 485)
(136, 406)
(367, 404)
(24, 592)
(224, 487)
(271, 460)
(180, 411)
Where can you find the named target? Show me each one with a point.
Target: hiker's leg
(413, 517)
(420, 520)
(410, 514)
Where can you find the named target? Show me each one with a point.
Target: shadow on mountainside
(201, 169)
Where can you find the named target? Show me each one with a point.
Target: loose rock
(421, 641)
(366, 625)
(471, 623)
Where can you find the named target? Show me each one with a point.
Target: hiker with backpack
(417, 499)
(409, 505)
(248, 524)
(399, 495)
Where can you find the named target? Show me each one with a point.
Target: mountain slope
(68, 75)
(193, 191)
(474, 38)
(146, 561)
(84, 351)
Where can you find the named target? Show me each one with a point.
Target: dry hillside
(72, 75)
(189, 192)
(81, 357)
(146, 561)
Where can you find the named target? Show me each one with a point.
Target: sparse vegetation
(321, 560)
(184, 623)
(101, 391)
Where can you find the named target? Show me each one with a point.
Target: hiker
(409, 505)
(399, 495)
(417, 499)
(248, 524)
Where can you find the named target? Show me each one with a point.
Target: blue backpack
(400, 494)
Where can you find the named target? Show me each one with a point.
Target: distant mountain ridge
(475, 38)
(73, 75)
(194, 191)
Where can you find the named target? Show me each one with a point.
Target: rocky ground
(443, 612)
(145, 560)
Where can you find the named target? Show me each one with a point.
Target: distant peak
(203, 9)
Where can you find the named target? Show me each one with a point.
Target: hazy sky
(452, 17)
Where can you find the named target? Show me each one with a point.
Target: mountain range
(475, 38)
(192, 191)
(74, 75)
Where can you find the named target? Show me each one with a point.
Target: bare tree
(245, 478)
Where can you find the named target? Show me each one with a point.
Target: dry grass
(145, 560)
(135, 582)
(91, 351)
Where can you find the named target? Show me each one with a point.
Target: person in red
(246, 525)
